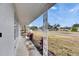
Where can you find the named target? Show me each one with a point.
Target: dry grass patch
(60, 43)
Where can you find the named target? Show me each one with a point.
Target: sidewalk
(25, 47)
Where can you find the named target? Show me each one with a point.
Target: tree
(50, 27)
(55, 27)
(34, 27)
(75, 25)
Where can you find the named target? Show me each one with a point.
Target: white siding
(7, 29)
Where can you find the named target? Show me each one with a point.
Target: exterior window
(0, 34)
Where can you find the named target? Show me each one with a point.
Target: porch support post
(45, 36)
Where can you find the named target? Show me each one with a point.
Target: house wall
(7, 29)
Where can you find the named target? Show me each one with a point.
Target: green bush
(74, 29)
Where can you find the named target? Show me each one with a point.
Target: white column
(45, 37)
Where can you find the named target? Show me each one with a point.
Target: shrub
(74, 29)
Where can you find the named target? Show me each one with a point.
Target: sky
(65, 14)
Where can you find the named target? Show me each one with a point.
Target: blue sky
(65, 14)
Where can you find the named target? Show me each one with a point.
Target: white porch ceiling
(27, 12)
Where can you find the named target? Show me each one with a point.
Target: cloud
(71, 10)
(75, 9)
(30, 25)
(54, 8)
